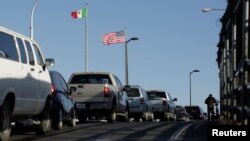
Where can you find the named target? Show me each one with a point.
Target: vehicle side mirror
(175, 99)
(72, 89)
(126, 87)
(50, 62)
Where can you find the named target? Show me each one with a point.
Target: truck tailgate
(88, 92)
(157, 103)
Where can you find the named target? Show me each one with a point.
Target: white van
(25, 84)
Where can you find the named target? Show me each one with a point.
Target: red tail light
(53, 90)
(164, 102)
(106, 90)
(142, 101)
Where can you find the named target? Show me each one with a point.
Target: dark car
(181, 113)
(63, 109)
(195, 112)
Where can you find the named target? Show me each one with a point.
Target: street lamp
(190, 83)
(126, 58)
(210, 9)
(31, 19)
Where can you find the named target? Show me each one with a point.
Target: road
(122, 131)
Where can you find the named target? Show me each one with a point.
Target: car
(25, 92)
(98, 94)
(181, 113)
(63, 106)
(139, 104)
(195, 112)
(163, 104)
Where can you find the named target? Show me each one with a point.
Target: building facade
(233, 58)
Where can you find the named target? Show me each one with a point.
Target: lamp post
(190, 83)
(210, 9)
(31, 19)
(126, 58)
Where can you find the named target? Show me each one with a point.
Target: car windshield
(90, 79)
(133, 92)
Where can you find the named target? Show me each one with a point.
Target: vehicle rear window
(90, 79)
(156, 95)
(193, 110)
(133, 92)
(180, 110)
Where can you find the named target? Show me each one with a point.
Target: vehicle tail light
(182, 114)
(164, 102)
(106, 90)
(142, 101)
(53, 90)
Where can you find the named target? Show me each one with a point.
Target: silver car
(163, 104)
(139, 104)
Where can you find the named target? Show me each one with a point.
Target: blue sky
(175, 38)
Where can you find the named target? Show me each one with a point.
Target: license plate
(97, 106)
(81, 105)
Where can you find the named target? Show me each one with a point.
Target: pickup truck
(98, 94)
(163, 104)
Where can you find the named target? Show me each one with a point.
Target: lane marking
(176, 135)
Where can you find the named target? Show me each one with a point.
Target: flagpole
(126, 59)
(86, 40)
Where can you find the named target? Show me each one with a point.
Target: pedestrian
(211, 102)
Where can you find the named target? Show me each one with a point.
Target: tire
(5, 121)
(126, 116)
(57, 122)
(174, 117)
(146, 117)
(151, 117)
(112, 116)
(72, 122)
(45, 121)
(165, 117)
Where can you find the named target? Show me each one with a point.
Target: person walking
(211, 102)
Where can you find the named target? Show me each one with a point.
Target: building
(233, 58)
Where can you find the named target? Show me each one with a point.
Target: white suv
(24, 83)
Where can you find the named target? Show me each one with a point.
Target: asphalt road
(120, 131)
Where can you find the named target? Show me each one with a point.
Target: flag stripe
(74, 14)
(114, 37)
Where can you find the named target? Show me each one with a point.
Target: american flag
(114, 37)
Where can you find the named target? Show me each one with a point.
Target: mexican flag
(79, 13)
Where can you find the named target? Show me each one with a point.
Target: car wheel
(151, 117)
(166, 117)
(174, 117)
(45, 121)
(58, 121)
(146, 116)
(5, 121)
(72, 121)
(112, 116)
(126, 117)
